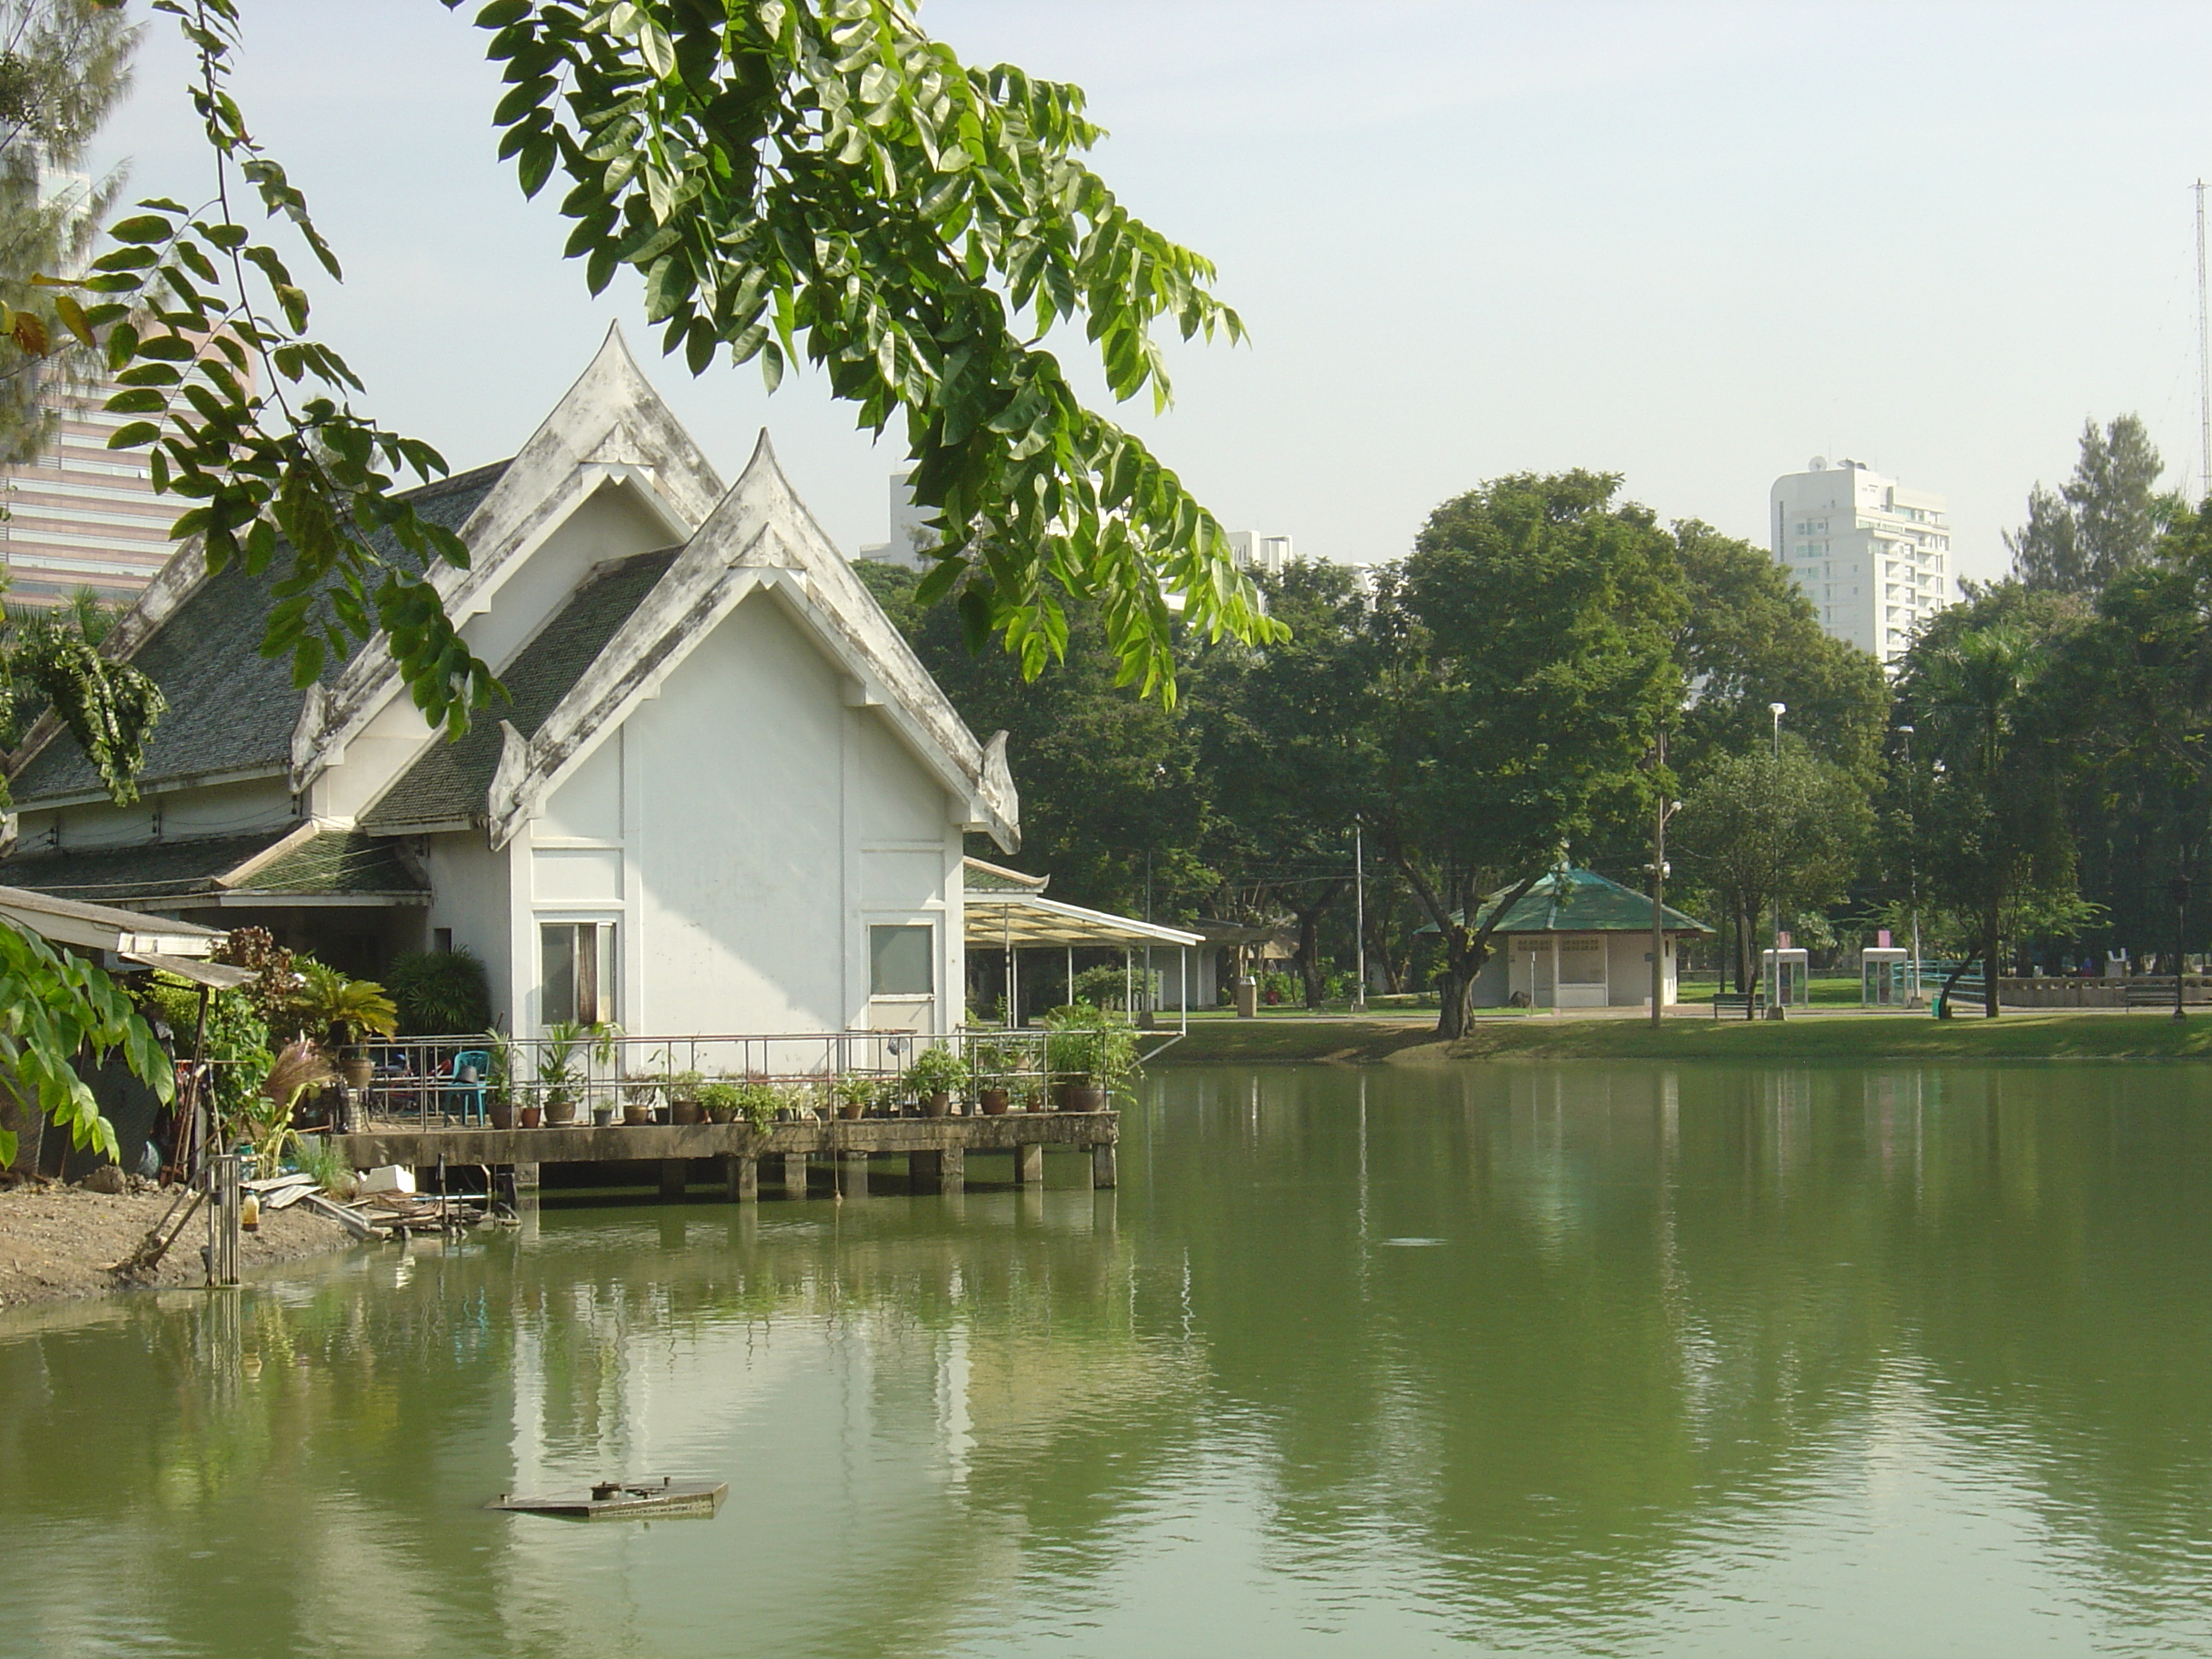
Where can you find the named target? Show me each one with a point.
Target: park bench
(1746, 1003)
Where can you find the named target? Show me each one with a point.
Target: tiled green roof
(337, 863)
(122, 875)
(997, 878)
(231, 709)
(1580, 902)
(449, 783)
(334, 863)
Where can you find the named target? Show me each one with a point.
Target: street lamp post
(1911, 857)
(2177, 891)
(1774, 847)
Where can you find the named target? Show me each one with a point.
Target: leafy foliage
(64, 64)
(818, 177)
(1531, 643)
(244, 411)
(340, 1009)
(54, 1006)
(1759, 829)
(2105, 519)
(440, 992)
(51, 661)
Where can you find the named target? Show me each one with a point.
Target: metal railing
(457, 1080)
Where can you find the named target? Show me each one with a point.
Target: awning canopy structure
(1001, 920)
(215, 975)
(97, 928)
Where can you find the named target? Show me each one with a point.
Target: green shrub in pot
(937, 1072)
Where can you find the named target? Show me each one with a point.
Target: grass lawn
(2038, 1035)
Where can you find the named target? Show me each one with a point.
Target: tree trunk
(1990, 967)
(30, 1127)
(1308, 955)
(1454, 994)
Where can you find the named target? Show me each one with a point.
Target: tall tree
(1989, 761)
(1764, 832)
(1749, 638)
(2105, 519)
(1529, 647)
(64, 64)
(1287, 731)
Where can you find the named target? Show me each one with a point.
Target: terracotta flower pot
(1084, 1097)
(358, 1070)
(637, 1111)
(501, 1110)
(561, 1109)
(850, 1113)
(1061, 1093)
(992, 1100)
(532, 1116)
(686, 1111)
(938, 1105)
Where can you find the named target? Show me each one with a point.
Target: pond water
(1572, 1359)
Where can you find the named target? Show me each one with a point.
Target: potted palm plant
(1090, 1055)
(854, 1094)
(935, 1077)
(343, 1011)
(562, 1070)
(682, 1090)
(719, 1100)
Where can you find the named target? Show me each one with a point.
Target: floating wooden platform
(621, 1500)
(935, 1149)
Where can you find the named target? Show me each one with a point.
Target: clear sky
(1694, 245)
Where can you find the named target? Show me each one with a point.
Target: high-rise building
(1873, 556)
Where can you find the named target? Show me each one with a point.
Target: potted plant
(719, 1100)
(1092, 1057)
(344, 1011)
(499, 1082)
(935, 1077)
(561, 1068)
(854, 1094)
(681, 1094)
(760, 1102)
(641, 1094)
(993, 1064)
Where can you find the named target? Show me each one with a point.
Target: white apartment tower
(1874, 558)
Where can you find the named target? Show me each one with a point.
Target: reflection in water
(1579, 1358)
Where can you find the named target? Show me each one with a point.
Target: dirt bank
(58, 1242)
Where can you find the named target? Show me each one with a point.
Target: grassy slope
(2040, 1036)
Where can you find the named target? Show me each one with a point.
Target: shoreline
(56, 1243)
(2023, 1034)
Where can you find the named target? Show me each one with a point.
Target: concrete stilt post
(853, 1173)
(1102, 1164)
(942, 1171)
(744, 1179)
(794, 1175)
(1028, 1164)
(675, 1176)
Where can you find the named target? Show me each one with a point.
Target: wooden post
(745, 1178)
(794, 1175)
(1102, 1164)
(1028, 1164)
(675, 1176)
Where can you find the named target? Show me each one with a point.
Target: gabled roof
(759, 536)
(231, 710)
(610, 429)
(449, 783)
(1572, 901)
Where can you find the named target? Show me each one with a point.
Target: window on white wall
(577, 979)
(901, 961)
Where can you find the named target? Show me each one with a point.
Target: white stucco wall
(196, 814)
(611, 524)
(470, 883)
(744, 828)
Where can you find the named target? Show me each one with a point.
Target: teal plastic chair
(471, 1093)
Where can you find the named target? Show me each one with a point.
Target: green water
(1587, 1359)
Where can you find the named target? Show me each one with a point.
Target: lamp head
(1778, 709)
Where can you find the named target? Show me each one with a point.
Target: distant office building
(1260, 553)
(1874, 558)
(80, 514)
(912, 535)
